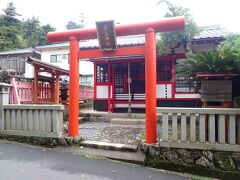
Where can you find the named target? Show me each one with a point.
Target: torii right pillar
(150, 86)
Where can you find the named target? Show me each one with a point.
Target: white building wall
(85, 67)
(164, 91)
(29, 71)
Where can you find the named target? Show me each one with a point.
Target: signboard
(106, 35)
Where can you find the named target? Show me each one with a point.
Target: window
(102, 73)
(186, 83)
(138, 77)
(164, 71)
(65, 56)
(56, 58)
(119, 79)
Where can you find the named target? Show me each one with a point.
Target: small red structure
(46, 92)
(44, 89)
(149, 51)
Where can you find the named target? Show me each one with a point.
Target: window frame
(57, 60)
(190, 83)
(65, 56)
(163, 70)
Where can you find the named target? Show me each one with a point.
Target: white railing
(200, 128)
(126, 96)
(32, 120)
(121, 96)
(139, 97)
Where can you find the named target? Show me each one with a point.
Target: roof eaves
(18, 51)
(32, 61)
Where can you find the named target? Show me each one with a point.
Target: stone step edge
(129, 118)
(110, 146)
(140, 161)
(138, 126)
(128, 121)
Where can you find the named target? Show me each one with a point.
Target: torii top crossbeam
(169, 24)
(149, 29)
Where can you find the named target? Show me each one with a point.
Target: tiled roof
(19, 51)
(43, 64)
(209, 32)
(93, 43)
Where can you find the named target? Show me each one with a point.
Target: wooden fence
(200, 128)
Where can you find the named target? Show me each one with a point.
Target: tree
(15, 33)
(74, 25)
(10, 36)
(43, 34)
(169, 40)
(230, 48)
(9, 18)
(30, 30)
(35, 33)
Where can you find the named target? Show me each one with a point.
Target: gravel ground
(103, 131)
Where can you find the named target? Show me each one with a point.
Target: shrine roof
(210, 32)
(47, 66)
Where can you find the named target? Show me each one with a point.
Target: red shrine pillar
(73, 87)
(150, 86)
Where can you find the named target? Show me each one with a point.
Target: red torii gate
(150, 29)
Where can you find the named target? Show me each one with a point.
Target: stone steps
(128, 121)
(91, 114)
(139, 127)
(110, 146)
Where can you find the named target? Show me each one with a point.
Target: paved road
(26, 162)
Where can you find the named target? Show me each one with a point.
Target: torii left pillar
(74, 87)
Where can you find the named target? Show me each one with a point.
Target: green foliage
(230, 48)
(225, 59)
(30, 30)
(169, 40)
(34, 33)
(16, 34)
(10, 16)
(74, 25)
(10, 39)
(43, 34)
(210, 61)
(9, 29)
